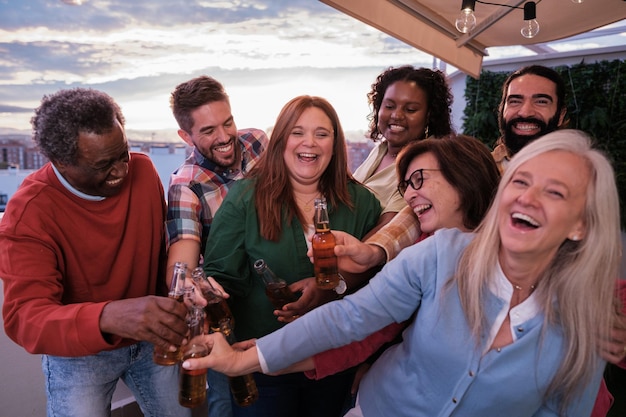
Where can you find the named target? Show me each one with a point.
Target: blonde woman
(508, 316)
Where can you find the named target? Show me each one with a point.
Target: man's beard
(514, 142)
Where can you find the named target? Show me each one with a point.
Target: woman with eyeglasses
(507, 316)
(448, 183)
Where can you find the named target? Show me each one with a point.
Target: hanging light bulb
(466, 21)
(531, 26)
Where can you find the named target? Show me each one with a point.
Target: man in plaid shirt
(221, 155)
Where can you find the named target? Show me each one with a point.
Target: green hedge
(596, 104)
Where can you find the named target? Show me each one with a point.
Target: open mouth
(526, 127)
(307, 157)
(114, 183)
(227, 147)
(396, 128)
(421, 209)
(524, 221)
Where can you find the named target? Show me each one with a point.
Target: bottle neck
(321, 221)
(196, 322)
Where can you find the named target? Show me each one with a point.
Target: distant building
(18, 151)
(19, 157)
(357, 152)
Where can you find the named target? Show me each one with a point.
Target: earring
(575, 238)
(426, 132)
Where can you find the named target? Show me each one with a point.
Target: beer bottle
(242, 387)
(192, 383)
(276, 288)
(323, 243)
(216, 308)
(162, 356)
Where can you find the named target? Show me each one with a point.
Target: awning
(428, 25)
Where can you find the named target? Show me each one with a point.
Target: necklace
(307, 207)
(519, 287)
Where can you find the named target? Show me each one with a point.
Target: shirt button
(520, 329)
(471, 373)
(454, 400)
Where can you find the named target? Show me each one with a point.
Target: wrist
(379, 256)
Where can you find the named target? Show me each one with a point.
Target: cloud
(137, 51)
(6, 108)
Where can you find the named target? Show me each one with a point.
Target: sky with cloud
(264, 52)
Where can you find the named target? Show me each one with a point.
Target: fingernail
(185, 365)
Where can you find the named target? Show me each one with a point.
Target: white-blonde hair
(581, 277)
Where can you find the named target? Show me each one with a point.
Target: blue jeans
(218, 395)
(295, 395)
(83, 386)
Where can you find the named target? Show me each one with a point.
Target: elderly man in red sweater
(81, 258)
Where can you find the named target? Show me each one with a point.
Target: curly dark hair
(434, 84)
(62, 116)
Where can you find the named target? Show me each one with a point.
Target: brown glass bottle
(323, 244)
(276, 288)
(242, 387)
(192, 383)
(162, 356)
(216, 308)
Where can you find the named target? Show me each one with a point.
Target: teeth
(526, 218)
(396, 128)
(421, 208)
(526, 126)
(307, 155)
(115, 182)
(225, 148)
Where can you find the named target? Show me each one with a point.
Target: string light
(466, 21)
(530, 29)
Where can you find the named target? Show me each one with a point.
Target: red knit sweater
(62, 258)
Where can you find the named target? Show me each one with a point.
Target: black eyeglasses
(416, 180)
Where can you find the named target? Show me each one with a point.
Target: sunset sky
(265, 52)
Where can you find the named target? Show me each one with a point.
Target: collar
(73, 190)
(218, 169)
(503, 289)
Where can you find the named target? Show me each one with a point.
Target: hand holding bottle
(353, 255)
(168, 356)
(154, 319)
(276, 288)
(225, 358)
(192, 383)
(213, 300)
(311, 297)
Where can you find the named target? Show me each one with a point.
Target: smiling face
(214, 134)
(101, 164)
(403, 113)
(309, 147)
(530, 110)
(543, 205)
(437, 203)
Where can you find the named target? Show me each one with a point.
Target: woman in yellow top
(408, 104)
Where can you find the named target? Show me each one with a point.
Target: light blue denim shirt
(439, 369)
